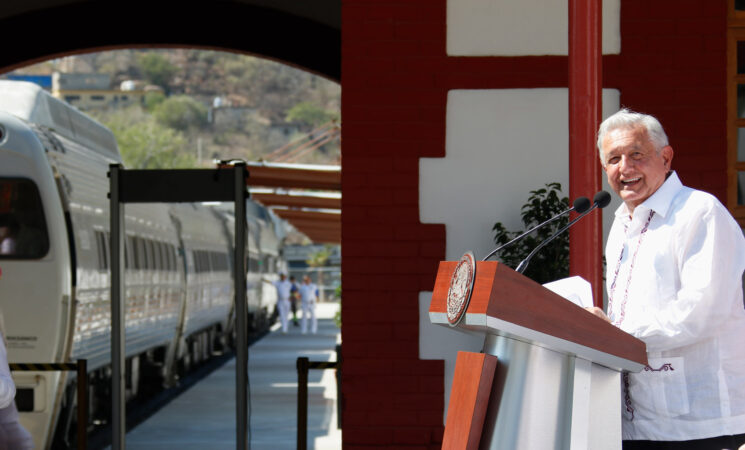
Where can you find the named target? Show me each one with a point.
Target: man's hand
(598, 312)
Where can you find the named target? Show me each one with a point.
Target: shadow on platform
(204, 416)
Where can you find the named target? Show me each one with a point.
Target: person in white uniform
(308, 298)
(12, 434)
(675, 259)
(283, 286)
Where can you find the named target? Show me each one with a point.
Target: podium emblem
(461, 287)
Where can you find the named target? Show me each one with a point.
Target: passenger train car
(54, 267)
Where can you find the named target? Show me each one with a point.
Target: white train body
(55, 291)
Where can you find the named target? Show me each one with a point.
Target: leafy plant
(337, 316)
(552, 261)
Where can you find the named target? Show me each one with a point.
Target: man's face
(633, 167)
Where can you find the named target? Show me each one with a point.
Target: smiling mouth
(630, 181)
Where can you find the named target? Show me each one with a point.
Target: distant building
(45, 81)
(87, 91)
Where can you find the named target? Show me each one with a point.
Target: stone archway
(308, 37)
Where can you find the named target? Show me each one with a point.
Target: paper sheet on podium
(575, 289)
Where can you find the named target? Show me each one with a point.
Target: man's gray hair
(626, 118)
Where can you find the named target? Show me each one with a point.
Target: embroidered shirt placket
(622, 312)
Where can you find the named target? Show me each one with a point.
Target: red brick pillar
(393, 114)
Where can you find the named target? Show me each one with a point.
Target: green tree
(319, 259)
(145, 143)
(181, 113)
(337, 315)
(309, 114)
(157, 69)
(552, 261)
(153, 99)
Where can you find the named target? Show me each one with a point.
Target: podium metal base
(543, 399)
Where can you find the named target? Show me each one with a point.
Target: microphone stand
(524, 263)
(602, 199)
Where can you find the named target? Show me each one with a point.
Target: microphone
(600, 200)
(581, 204)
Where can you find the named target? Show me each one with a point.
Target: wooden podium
(556, 382)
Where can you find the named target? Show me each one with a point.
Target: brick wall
(673, 64)
(394, 113)
(395, 78)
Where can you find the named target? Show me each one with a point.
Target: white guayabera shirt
(674, 281)
(283, 289)
(308, 292)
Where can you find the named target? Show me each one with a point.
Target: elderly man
(675, 258)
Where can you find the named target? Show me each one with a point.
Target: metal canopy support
(241, 321)
(174, 186)
(116, 216)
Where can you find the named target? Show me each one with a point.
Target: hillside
(211, 105)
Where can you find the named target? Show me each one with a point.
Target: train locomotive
(54, 274)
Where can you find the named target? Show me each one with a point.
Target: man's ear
(667, 156)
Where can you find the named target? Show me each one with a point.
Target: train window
(207, 261)
(156, 255)
(167, 256)
(163, 256)
(135, 255)
(23, 229)
(126, 253)
(103, 257)
(139, 251)
(133, 248)
(99, 249)
(221, 260)
(150, 258)
(214, 262)
(254, 265)
(269, 264)
(198, 263)
(172, 256)
(143, 254)
(107, 247)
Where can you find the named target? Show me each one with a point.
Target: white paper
(575, 289)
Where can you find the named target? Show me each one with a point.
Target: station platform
(203, 417)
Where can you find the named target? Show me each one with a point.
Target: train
(55, 270)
